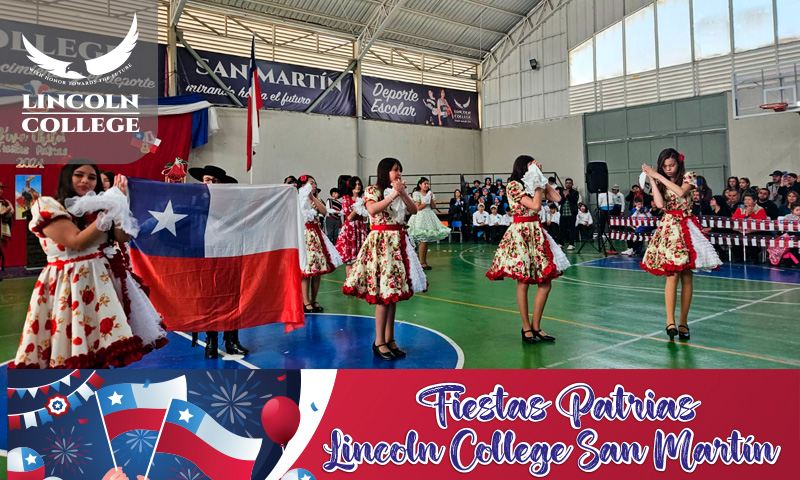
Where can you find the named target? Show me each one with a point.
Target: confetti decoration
(314, 407)
(282, 378)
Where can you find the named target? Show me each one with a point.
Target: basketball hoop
(775, 107)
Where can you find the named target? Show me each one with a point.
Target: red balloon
(280, 418)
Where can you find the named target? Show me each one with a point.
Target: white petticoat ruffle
(419, 282)
(561, 260)
(336, 259)
(112, 201)
(706, 257)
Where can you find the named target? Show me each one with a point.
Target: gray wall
(558, 144)
(325, 146)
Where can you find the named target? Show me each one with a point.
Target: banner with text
(421, 104)
(283, 86)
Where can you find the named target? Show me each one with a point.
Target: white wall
(323, 146)
(557, 144)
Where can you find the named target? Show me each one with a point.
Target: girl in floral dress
(678, 245)
(86, 310)
(386, 270)
(322, 255)
(425, 226)
(527, 253)
(354, 230)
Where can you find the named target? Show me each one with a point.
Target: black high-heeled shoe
(308, 308)
(672, 332)
(388, 356)
(546, 338)
(681, 335)
(531, 339)
(317, 307)
(397, 351)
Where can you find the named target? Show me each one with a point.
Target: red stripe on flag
(201, 294)
(37, 474)
(123, 421)
(176, 440)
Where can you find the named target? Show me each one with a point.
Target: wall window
(640, 41)
(788, 24)
(609, 52)
(581, 63)
(711, 28)
(674, 33)
(752, 24)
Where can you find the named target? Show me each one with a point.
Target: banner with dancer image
(283, 86)
(421, 104)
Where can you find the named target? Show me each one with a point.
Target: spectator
(458, 208)
(6, 220)
(551, 219)
(487, 184)
(636, 191)
(638, 211)
(290, 180)
(605, 204)
(552, 182)
(744, 187)
(480, 220)
(698, 206)
(498, 185)
(498, 203)
(583, 220)
(619, 201)
(719, 206)
(503, 198)
(792, 198)
(768, 206)
(705, 190)
(751, 210)
(733, 198)
(493, 222)
(107, 177)
(476, 186)
(487, 194)
(789, 184)
(570, 198)
(333, 218)
(733, 182)
(774, 186)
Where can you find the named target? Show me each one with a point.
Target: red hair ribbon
(303, 178)
(680, 157)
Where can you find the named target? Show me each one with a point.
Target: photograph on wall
(27, 189)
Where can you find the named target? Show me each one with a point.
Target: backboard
(756, 87)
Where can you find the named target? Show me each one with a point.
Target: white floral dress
(424, 226)
(678, 243)
(526, 253)
(386, 270)
(76, 317)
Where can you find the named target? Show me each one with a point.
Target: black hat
(213, 171)
(777, 173)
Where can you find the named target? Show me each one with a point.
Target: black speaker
(597, 177)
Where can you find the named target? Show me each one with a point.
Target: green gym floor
(605, 313)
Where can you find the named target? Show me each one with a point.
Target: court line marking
(710, 276)
(622, 332)
(658, 332)
(223, 355)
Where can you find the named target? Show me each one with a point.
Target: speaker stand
(603, 240)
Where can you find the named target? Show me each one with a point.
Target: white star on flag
(30, 459)
(116, 399)
(167, 219)
(185, 415)
(305, 477)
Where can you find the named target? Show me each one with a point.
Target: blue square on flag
(172, 218)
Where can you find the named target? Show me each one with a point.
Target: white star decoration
(305, 477)
(116, 399)
(185, 415)
(167, 219)
(30, 459)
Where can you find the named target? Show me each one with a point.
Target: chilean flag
(219, 257)
(136, 406)
(190, 433)
(254, 104)
(25, 464)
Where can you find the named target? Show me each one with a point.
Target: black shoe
(681, 335)
(308, 308)
(397, 351)
(232, 345)
(531, 339)
(546, 338)
(317, 307)
(672, 332)
(389, 356)
(212, 339)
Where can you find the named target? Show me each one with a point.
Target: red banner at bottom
(554, 424)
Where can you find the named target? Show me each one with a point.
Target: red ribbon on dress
(387, 228)
(531, 219)
(59, 264)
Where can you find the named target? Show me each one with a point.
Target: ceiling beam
(450, 20)
(493, 7)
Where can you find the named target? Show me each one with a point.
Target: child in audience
(583, 220)
(639, 211)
